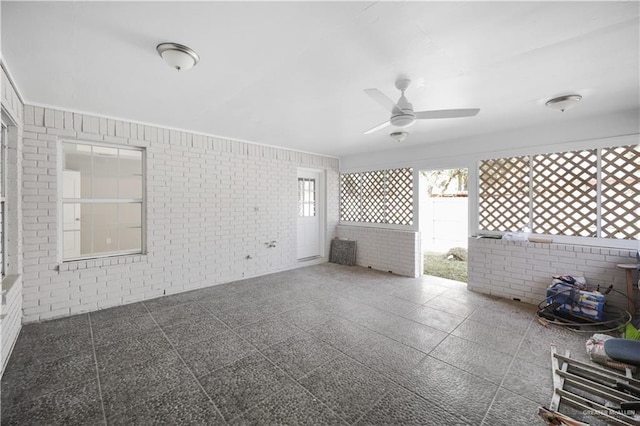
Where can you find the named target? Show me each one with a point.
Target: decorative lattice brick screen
(350, 197)
(620, 193)
(400, 195)
(564, 193)
(381, 196)
(504, 194)
(374, 206)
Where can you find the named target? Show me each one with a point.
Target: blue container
(586, 304)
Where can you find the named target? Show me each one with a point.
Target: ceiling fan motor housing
(403, 115)
(404, 119)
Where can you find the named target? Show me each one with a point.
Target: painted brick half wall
(210, 203)
(523, 270)
(385, 249)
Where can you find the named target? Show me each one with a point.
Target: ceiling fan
(402, 114)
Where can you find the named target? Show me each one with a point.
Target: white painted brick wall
(11, 310)
(210, 203)
(385, 249)
(11, 322)
(523, 270)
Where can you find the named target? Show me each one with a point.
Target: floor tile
(536, 345)
(40, 347)
(207, 355)
(504, 314)
(243, 315)
(530, 380)
(291, 407)
(300, 354)
(40, 378)
(71, 326)
(239, 386)
(341, 333)
(78, 404)
(498, 339)
(401, 407)
(306, 317)
(221, 302)
(435, 318)
(414, 334)
(191, 331)
(393, 304)
(267, 332)
(461, 393)
(338, 344)
(473, 358)
(130, 386)
(371, 318)
(462, 307)
(109, 329)
(419, 294)
(189, 311)
(131, 350)
(123, 313)
(385, 355)
(182, 405)
(347, 387)
(509, 409)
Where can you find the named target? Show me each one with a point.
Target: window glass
(102, 200)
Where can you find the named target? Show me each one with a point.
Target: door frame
(321, 210)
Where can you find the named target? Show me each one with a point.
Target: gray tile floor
(327, 344)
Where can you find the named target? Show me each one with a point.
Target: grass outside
(438, 265)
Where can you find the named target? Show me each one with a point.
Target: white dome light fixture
(178, 56)
(563, 103)
(399, 135)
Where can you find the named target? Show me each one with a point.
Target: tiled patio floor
(327, 344)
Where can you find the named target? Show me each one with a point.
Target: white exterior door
(71, 214)
(310, 213)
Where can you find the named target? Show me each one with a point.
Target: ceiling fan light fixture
(563, 103)
(399, 135)
(178, 56)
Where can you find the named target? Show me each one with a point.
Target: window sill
(7, 282)
(100, 262)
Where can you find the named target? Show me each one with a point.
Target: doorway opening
(444, 222)
(311, 213)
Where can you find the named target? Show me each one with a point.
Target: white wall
(463, 153)
(523, 270)
(210, 203)
(386, 250)
(11, 308)
(443, 222)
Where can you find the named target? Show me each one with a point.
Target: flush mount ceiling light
(178, 56)
(563, 103)
(399, 136)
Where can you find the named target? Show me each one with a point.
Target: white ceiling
(292, 74)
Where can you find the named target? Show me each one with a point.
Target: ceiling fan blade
(382, 99)
(378, 127)
(447, 113)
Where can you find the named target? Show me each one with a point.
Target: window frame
(596, 144)
(413, 227)
(4, 128)
(62, 201)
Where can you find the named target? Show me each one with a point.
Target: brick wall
(211, 202)
(523, 270)
(11, 307)
(385, 249)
